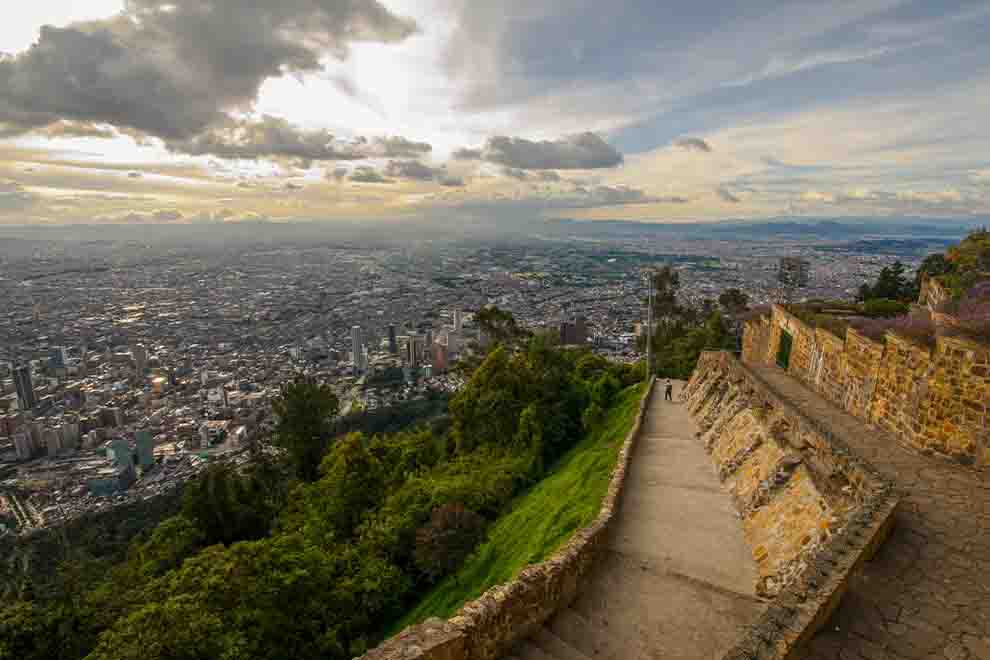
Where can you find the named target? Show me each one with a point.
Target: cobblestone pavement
(927, 592)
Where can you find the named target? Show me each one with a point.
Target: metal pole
(649, 325)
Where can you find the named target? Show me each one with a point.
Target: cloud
(134, 175)
(337, 174)
(172, 69)
(727, 195)
(515, 173)
(397, 147)
(452, 182)
(549, 176)
(785, 66)
(76, 129)
(620, 195)
(411, 169)
(693, 144)
(365, 174)
(274, 137)
(291, 186)
(269, 137)
(158, 216)
(467, 154)
(13, 197)
(576, 152)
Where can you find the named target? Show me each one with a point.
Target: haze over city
(513, 112)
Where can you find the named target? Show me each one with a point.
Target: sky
(507, 111)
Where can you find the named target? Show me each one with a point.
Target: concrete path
(677, 581)
(926, 595)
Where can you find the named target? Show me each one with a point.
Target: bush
(884, 308)
(920, 331)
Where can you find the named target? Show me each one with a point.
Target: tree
(499, 326)
(666, 285)
(892, 284)
(733, 301)
(446, 541)
(304, 426)
(933, 266)
(227, 507)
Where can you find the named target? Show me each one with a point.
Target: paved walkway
(677, 581)
(927, 592)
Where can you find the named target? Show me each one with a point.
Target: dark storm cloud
(726, 195)
(576, 152)
(173, 68)
(693, 144)
(366, 174)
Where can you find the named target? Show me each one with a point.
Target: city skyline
(508, 113)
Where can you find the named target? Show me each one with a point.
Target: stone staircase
(570, 636)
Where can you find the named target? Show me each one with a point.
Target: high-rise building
(414, 350)
(794, 271)
(458, 320)
(23, 445)
(393, 344)
(58, 357)
(140, 355)
(25, 387)
(145, 448)
(439, 358)
(120, 451)
(357, 349)
(574, 332)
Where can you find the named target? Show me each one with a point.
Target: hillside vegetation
(541, 520)
(314, 549)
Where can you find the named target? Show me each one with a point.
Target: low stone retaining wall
(488, 627)
(812, 511)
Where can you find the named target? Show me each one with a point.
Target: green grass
(540, 520)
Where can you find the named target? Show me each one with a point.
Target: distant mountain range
(826, 229)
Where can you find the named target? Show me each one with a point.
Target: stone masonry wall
(488, 627)
(811, 510)
(934, 399)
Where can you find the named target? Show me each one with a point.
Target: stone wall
(488, 627)
(811, 510)
(934, 399)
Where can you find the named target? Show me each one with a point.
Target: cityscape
(124, 376)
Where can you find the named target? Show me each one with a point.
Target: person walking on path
(668, 393)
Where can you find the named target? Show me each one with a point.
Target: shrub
(884, 308)
(920, 331)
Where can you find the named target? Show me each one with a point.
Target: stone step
(530, 651)
(555, 646)
(589, 638)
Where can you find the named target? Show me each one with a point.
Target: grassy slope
(540, 520)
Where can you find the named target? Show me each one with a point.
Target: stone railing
(488, 627)
(812, 511)
(935, 399)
